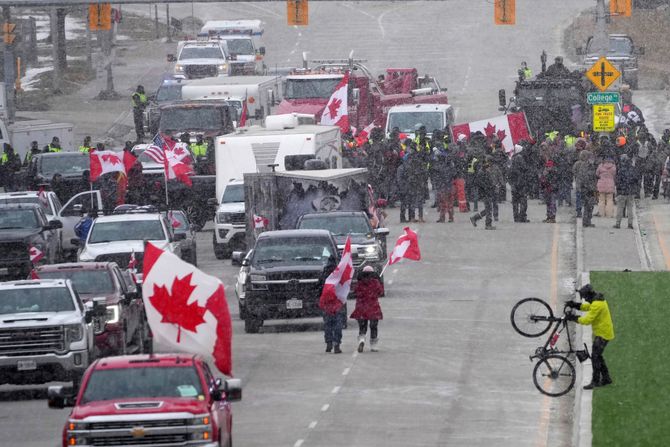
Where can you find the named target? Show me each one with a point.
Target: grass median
(634, 410)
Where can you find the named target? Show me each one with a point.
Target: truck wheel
(243, 311)
(252, 325)
(76, 382)
(220, 250)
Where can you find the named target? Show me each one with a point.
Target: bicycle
(554, 374)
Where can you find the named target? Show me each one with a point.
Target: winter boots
(337, 349)
(361, 343)
(329, 347)
(373, 344)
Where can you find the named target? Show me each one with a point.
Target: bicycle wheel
(554, 375)
(531, 317)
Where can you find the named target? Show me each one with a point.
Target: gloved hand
(573, 304)
(571, 317)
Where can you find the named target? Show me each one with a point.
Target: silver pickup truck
(45, 332)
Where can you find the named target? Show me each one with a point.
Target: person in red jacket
(367, 290)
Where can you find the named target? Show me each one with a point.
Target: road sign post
(603, 118)
(602, 74)
(297, 12)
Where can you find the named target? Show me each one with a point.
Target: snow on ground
(31, 77)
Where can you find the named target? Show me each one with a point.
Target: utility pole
(10, 72)
(601, 39)
(89, 50)
(55, 86)
(167, 13)
(158, 34)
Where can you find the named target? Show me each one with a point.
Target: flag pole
(384, 269)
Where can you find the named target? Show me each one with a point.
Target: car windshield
(411, 121)
(27, 200)
(39, 299)
(138, 230)
(620, 46)
(86, 282)
(13, 218)
(168, 92)
(147, 382)
(310, 88)
(233, 194)
(65, 164)
(201, 53)
(191, 118)
(272, 251)
(338, 225)
(240, 46)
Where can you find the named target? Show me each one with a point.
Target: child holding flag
(368, 289)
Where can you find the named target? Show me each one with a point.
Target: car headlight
(74, 425)
(222, 68)
(202, 428)
(74, 332)
(371, 252)
(112, 314)
(255, 285)
(179, 68)
(223, 218)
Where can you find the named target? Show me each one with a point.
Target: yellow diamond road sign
(602, 74)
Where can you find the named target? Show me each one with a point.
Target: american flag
(156, 151)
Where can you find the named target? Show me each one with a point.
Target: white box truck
(261, 92)
(283, 144)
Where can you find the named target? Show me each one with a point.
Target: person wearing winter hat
(367, 290)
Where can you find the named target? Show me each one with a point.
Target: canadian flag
(35, 254)
(336, 112)
(42, 197)
(173, 220)
(186, 308)
(104, 162)
(337, 285)
(243, 114)
(510, 129)
(260, 222)
(172, 155)
(128, 160)
(407, 247)
(362, 136)
(132, 262)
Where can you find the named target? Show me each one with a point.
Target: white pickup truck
(230, 220)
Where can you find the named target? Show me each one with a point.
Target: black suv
(284, 274)
(24, 227)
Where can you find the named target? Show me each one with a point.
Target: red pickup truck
(165, 399)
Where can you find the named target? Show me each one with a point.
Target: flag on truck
(336, 112)
(172, 154)
(337, 285)
(35, 254)
(260, 222)
(186, 308)
(407, 247)
(105, 162)
(510, 129)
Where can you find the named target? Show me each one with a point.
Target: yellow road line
(545, 412)
(661, 242)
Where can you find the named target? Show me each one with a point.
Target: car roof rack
(135, 209)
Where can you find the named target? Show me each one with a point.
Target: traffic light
(505, 12)
(621, 8)
(297, 12)
(8, 32)
(100, 16)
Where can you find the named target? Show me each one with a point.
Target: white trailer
(283, 141)
(262, 93)
(22, 133)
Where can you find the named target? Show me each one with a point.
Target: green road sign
(603, 97)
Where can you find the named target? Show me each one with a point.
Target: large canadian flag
(186, 308)
(104, 162)
(407, 247)
(510, 129)
(337, 285)
(336, 112)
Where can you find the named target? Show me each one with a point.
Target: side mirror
(179, 236)
(78, 208)
(237, 257)
(381, 231)
(356, 95)
(75, 241)
(212, 202)
(99, 306)
(58, 399)
(233, 390)
(55, 224)
(171, 58)
(261, 51)
(640, 51)
(579, 51)
(502, 97)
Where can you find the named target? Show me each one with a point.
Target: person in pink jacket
(606, 174)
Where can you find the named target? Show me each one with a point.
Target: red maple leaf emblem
(179, 151)
(333, 107)
(111, 159)
(490, 129)
(174, 308)
(501, 134)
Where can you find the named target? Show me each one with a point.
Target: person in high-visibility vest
(9, 164)
(199, 148)
(525, 72)
(54, 146)
(34, 149)
(139, 102)
(86, 147)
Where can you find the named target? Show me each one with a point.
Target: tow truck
(307, 90)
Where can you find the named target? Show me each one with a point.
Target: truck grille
(238, 218)
(200, 71)
(122, 259)
(129, 440)
(31, 341)
(13, 251)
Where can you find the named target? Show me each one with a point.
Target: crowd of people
(597, 174)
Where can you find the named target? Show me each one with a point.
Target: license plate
(294, 304)
(4, 271)
(26, 365)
